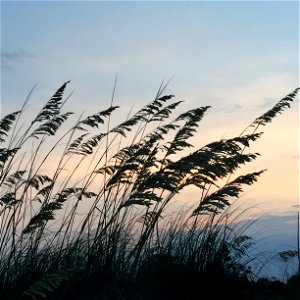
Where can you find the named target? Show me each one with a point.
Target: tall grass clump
(82, 206)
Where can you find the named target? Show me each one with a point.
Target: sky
(240, 57)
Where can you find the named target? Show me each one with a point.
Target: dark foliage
(87, 218)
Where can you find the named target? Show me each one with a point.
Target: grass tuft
(84, 209)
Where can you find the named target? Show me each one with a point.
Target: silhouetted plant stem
(298, 242)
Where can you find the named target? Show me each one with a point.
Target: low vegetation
(83, 207)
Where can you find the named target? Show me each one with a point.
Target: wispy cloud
(16, 55)
(267, 103)
(6, 67)
(296, 206)
(9, 57)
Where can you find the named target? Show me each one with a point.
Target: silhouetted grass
(82, 209)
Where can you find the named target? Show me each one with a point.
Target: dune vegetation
(83, 206)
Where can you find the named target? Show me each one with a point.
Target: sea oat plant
(92, 221)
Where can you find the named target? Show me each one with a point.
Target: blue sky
(208, 47)
(239, 57)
